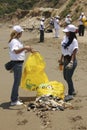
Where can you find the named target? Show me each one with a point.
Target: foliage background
(9, 6)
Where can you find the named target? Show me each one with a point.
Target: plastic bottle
(60, 67)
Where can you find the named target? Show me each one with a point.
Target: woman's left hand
(33, 51)
(70, 65)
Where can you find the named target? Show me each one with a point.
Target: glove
(70, 65)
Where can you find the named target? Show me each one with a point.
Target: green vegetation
(70, 3)
(9, 6)
(77, 10)
(67, 9)
(55, 2)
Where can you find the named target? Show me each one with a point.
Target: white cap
(18, 28)
(82, 13)
(70, 28)
(43, 19)
(68, 15)
(57, 17)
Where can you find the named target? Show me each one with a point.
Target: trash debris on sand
(49, 102)
(43, 104)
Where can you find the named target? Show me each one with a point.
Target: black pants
(41, 35)
(81, 30)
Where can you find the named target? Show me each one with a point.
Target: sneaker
(68, 98)
(74, 93)
(16, 103)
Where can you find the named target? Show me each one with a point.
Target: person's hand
(60, 62)
(70, 65)
(33, 51)
(28, 48)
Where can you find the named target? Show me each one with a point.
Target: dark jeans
(68, 73)
(41, 35)
(17, 70)
(81, 30)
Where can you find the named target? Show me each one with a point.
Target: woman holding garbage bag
(69, 47)
(17, 55)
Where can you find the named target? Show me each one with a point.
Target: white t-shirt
(56, 24)
(69, 50)
(80, 19)
(68, 20)
(42, 25)
(15, 44)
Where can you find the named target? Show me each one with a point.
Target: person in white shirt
(17, 55)
(42, 27)
(69, 47)
(68, 20)
(81, 24)
(56, 26)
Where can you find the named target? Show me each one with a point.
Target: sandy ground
(18, 118)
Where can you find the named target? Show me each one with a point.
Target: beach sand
(17, 117)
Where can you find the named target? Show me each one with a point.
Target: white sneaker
(16, 103)
(68, 97)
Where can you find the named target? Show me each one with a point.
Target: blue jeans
(68, 73)
(17, 70)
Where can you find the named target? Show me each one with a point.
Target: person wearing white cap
(42, 27)
(17, 56)
(81, 24)
(56, 26)
(69, 46)
(68, 20)
(18, 28)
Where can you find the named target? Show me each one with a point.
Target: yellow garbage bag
(85, 24)
(34, 72)
(84, 19)
(53, 88)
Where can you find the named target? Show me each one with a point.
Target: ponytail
(13, 35)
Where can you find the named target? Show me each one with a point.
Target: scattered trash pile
(46, 103)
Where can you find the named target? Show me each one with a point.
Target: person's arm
(80, 18)
(73, 55)
(70, 65)
(61, 59)
(25, 48)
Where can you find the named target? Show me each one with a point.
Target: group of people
(81, 27)
(69, 49)
(55, 23)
